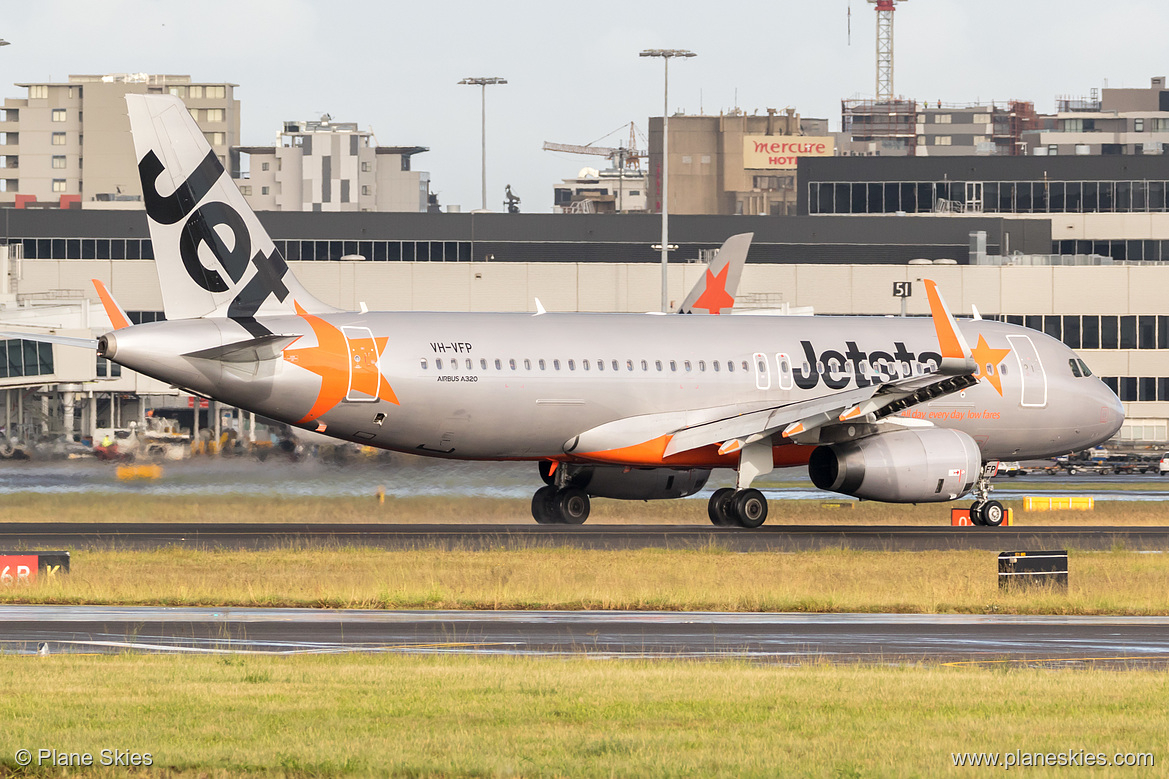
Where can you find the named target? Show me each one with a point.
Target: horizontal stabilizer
(266, 347)
(64, 340)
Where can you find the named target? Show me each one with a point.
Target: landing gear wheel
(992, 513)
(571, 506)
(976, 513)
(749, 507)
(543, 510)
(719, 508)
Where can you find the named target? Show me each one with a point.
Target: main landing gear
(560, 506)
(742, 508)
(984, 511)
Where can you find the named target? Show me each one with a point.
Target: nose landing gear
(983, 511)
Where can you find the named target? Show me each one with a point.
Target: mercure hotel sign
(782, 151)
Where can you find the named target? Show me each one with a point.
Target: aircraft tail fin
(214, 258)
(715, 292)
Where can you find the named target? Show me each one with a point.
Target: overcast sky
(573, 68)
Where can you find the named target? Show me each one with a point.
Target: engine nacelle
(907, 466)
(617, 481)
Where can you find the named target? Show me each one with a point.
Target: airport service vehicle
(629, 406)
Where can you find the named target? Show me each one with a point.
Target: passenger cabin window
(482, 363)
(673, 365)
(644, 365)
(730, 366)
(658, 365)
(686, 365)
(745, 368)
(423, 363)
(438, 363)
(600, 365)
(616, 367)
(541, 364)
(499, 365)
(702, 365)
(572, 365)
(716, 366)
(527, 365)
(629, 364)
(469, 365)
(586, 364)
(556, 364)
(511, 363)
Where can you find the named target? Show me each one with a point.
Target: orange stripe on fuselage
(651, 454)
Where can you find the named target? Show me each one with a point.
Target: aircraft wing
(84, 343)
(715, 291)
(734, 427)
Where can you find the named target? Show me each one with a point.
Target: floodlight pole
(666, 55)
(483, 83)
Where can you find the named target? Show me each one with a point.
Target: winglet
(117, 316)
(954, 348)
(715, 292)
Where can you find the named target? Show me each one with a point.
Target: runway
(784, 638)
(776, 538)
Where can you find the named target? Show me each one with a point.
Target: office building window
(58, 185)
(216, 93)
(178, 91)
(58, 161)
(215, 114)
(265, 165)
(38, 91)
(264, 190)
(195, 92)
(245, 190)
(58, 139)
(215, 139)
(58, 114)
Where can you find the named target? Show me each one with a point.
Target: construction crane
(622, 157)
(885, 10)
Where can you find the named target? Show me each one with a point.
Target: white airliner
(629, 406)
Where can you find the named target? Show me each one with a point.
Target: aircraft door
(784, 365)
(1033, 379)
(364, 376)
(762, 371)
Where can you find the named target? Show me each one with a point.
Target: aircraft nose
(1107, 412)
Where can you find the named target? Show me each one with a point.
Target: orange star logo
(715, 297)
(988, 363)
(345, 365)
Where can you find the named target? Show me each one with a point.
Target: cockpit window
(1084, 367)
(1075, 368)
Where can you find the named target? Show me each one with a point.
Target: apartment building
(45, 137)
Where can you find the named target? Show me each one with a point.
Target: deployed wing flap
(266, 347)
(757, 425)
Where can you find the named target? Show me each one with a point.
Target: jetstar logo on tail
(204, 227)
(342, 368)
(715, 297)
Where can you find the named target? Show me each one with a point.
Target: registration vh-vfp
(628, 406)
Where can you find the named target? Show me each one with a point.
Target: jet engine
(616, 481)
(906, 466)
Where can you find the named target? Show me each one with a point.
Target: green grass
(453, 717)
(1116, 582)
